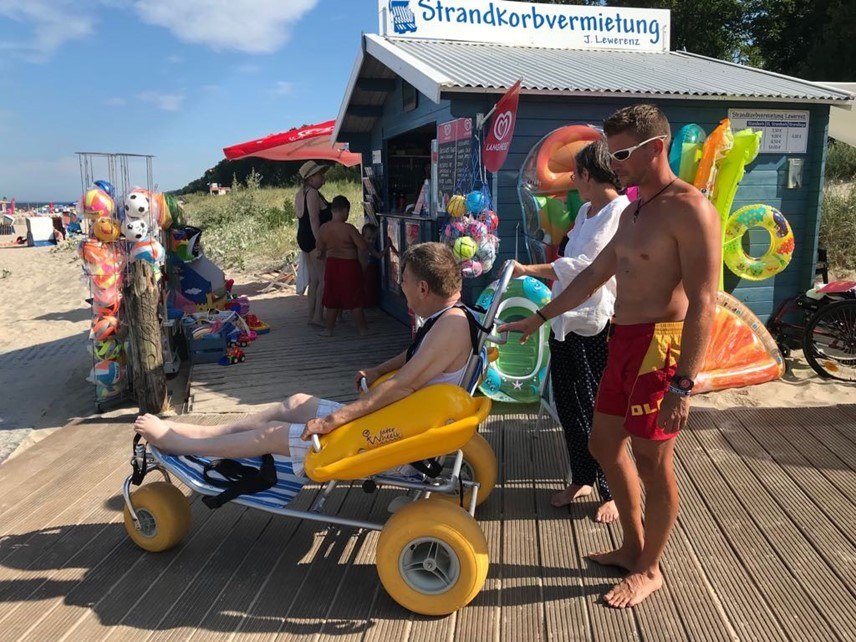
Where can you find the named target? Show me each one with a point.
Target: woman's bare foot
(633, 589)
(572, 492)
(619, 557)
(156, 431)
(607, 513)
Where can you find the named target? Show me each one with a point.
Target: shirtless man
(666, 258)
(340, 243)
(431, 282)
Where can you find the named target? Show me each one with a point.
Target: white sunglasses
(623, 154)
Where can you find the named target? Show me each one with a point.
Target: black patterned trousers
(576, 366)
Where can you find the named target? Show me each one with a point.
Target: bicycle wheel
(829, 343)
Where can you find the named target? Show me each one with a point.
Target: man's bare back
(341, 240)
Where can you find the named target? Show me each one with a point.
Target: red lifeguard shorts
(642, 361)
(343, 284)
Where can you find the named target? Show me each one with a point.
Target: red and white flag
(498, 140)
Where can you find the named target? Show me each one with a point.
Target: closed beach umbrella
(311, 142)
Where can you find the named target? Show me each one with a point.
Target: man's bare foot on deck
(607, 513)
(633, 589)
(619, 557)
(156, 431)
(572, 492)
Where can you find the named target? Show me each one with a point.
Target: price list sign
(454, 146)
(785, 131)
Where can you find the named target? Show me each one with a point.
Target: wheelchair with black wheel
(432, 556)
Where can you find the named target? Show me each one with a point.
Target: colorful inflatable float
(715, 147)
(741, 351)
(517, 373)
(685, 154)
(546, 188)
(778, 255)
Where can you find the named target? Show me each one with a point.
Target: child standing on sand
(340, 244)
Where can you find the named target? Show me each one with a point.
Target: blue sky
(179, 79)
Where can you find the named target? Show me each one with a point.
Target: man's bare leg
(608, 445)
(569, 494)
(655, 461)
(360, 319)
(247, 443)
(297, 409)
(330, 316)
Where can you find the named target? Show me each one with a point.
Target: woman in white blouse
(578, 337)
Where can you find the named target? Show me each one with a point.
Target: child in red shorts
(340, 244)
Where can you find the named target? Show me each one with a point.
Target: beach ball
(477, 231)
(109, 310)
(104, 327)
(104, 298)
(471, 269)
(106, 186)
(103, 393)
(464, 248)
(135, 229)
(490, 220)
(97, 204)
(106, 281)
(110, 349)
(137, 204)
(486, 252)
(106, 229)
(476, 202)
(456, 206)
(176, 212)
(147, 250)
(106, 372)
(161, 215)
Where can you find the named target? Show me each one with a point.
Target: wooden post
(149, 379)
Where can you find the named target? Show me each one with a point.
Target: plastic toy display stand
(432, 556)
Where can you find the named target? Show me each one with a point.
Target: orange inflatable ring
(555, 164)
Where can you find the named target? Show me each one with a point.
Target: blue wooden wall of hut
(765, 180)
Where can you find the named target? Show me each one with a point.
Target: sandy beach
(44, 358)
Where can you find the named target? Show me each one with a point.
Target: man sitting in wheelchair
(431, 282)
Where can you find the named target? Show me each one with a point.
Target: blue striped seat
(190, 472)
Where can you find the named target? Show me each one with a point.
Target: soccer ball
(137, 204)
(135, 229)
(464, 248)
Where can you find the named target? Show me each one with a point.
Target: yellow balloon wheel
(432, 557)
(775, 259)
(479, 465)
(164, 515)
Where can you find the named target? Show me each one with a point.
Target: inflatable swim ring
(741, 351)
(715, 147)
(775, 259)
(686, 151)
(517, 373)
(554, 163)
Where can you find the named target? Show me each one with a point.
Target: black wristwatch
(682, 386)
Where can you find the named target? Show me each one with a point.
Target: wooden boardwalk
(764, 548)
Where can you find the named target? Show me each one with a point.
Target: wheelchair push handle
(499, 339)
(316, 443)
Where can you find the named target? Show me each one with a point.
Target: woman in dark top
(312, 211)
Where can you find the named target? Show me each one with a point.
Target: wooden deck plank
(480, 621)
(769, 568)
(522, 586)
(563, 587)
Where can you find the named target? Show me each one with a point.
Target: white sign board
(521, 23)
(785, 130)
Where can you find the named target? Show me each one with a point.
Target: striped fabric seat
(189, 470)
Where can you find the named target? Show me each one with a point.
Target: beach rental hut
(429, 66)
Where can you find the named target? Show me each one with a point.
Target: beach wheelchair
(432, 556)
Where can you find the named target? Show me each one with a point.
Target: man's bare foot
(619, 557)
(607, 513)
(572, 492)
(156, 431)
(633, 589)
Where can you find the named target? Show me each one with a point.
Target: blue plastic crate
(207, 349)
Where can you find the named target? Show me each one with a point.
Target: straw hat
(310, 168)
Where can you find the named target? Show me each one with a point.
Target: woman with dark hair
(578, 337)
(312, 211)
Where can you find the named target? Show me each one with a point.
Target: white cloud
(250, 26)
(283, 88)
(116, 102)
(52, 23)
(167, 102)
